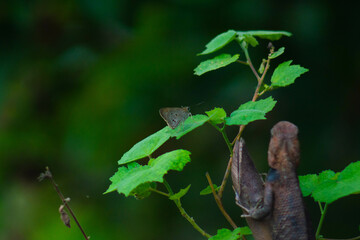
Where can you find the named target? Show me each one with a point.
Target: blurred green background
(82, 81)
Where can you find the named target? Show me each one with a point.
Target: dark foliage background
(82, 81)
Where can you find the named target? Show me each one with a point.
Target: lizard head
(284, 147)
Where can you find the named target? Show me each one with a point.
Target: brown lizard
(282, 195)
(249, 188)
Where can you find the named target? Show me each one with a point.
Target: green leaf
(190, 124)
(147, 146)
(208, 190)
(219, 42)
(307, 183)
(262, 66)
(285, 74)
(126, 179)
(251, 40)
(215, 63)
(329, 186)
(251, 111)
(245, 231)
(217, 115)
(180, 194)
(226, 234)
(270, 35)
(277, 53)
(119, 175)
(143, 190)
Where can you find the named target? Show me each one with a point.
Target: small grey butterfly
(173, 116)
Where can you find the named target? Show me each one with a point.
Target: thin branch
(260, 82)
(223, 133)
(241, 129)
(320, 206)
(249, 62)
(225, 178)
(227, 171)
(184, 214)
(255, 96)
(159, 192)
(243, 62)
(321, 221)
(219, 203)
(48, 174)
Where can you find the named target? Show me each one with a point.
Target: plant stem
(242, 62)
(219, 203)
(225, 178)
(323, 212)
(49, 175)
(223, 133)
(260, 81)
(255, 97)
(320, 206)
(248, 60)
(184, 214)
(159, 192)
(223, 183)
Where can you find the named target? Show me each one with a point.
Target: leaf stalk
(159, 192)
(184, 214)
(226, 139)
(321, 221)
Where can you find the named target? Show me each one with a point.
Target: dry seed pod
(64, 216)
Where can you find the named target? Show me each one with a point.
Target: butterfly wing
(174, 116)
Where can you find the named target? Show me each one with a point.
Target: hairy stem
(219, 203)
(48, 174)
(323, 212)
(184, 214)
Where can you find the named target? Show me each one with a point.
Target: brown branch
(219, 203)
(242, 127)
(48, 174)
(260, 81)
(252, 66)
(226, 176)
